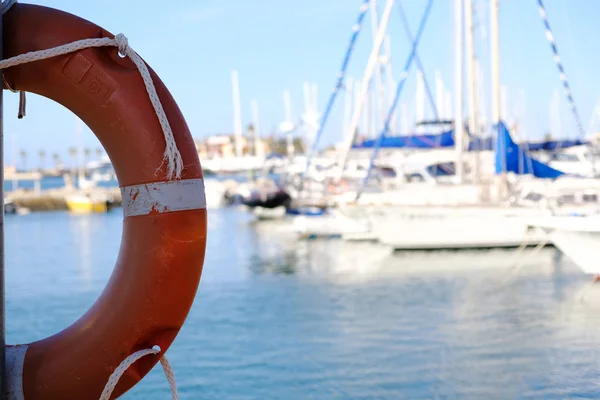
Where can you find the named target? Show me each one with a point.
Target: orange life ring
(157, 273)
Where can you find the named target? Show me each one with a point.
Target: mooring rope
(126, 363)
(171, 155)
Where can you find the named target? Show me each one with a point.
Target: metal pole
(237, 114)
(458, 88)
(362, 95)
(2, 318)
(495, 46)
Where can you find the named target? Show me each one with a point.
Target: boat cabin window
(566, 199)
(565, 157)
(386, 172)
(414, 177)
(590, 198)
(535, 197)
(442, 169)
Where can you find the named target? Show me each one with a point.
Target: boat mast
(471, 81)
(389, 79)
(308, 114)
(495, 61)
(420, 100)
(458, 88)
(237, 117)
(379, 93)
(371, 64)
(287, 103)
(439, 99)
(256, 130)
(348, 103)
(495, 72)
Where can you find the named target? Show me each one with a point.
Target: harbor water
(278, 318)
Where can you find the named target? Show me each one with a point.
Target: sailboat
(86, 198)
(239, 161)
(486, 212)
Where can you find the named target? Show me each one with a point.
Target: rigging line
(356, 28)
(418, 61)
(399, 88)
(559, 65)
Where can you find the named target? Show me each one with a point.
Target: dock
(54, 199)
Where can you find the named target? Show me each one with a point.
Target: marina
(415, 231)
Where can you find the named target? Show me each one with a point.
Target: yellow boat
(86, 203)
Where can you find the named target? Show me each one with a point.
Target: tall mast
(471, 68)
(440, 100)
(287, 104)
(496, 94)
(495, 61)
(389, 79)
(471, 78)
(458, 88)
(420, 100)
(348, 103)
(379, 94)
(258, 151)
(371, 64)
(237, 114)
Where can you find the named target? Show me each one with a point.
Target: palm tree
(86, 157)
(99, 152)
(23, 155)
(73, 154)
(251, 132)
(42, 156)
(56, 159)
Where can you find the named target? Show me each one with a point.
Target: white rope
(126, 363)
(171, 154)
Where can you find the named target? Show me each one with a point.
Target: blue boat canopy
(512, 157)
(425, 141)
(446, 139)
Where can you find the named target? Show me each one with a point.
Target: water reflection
(280, 318)
(275, 249)
(278, 251)
(80, 229)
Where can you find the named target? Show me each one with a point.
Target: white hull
(576, 237)
(269, 214)
(332, 224)
(214, 192)
(429, 228)
(229, 165)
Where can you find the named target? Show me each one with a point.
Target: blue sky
(279, 44)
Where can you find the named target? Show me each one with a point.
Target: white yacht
(578, 237)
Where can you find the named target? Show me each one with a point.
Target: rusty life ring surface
(159, 265)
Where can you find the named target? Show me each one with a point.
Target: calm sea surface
(277, 318)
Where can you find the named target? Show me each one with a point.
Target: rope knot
(122, 43)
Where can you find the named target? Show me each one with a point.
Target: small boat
(307, 211)
(267, 214)
(274, 199)
(330, 224)
(577, 237)
(88, 203)
(11, 208)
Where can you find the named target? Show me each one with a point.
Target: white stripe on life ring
(163, 197)
(15, 358)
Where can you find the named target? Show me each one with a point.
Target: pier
(55, 199)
